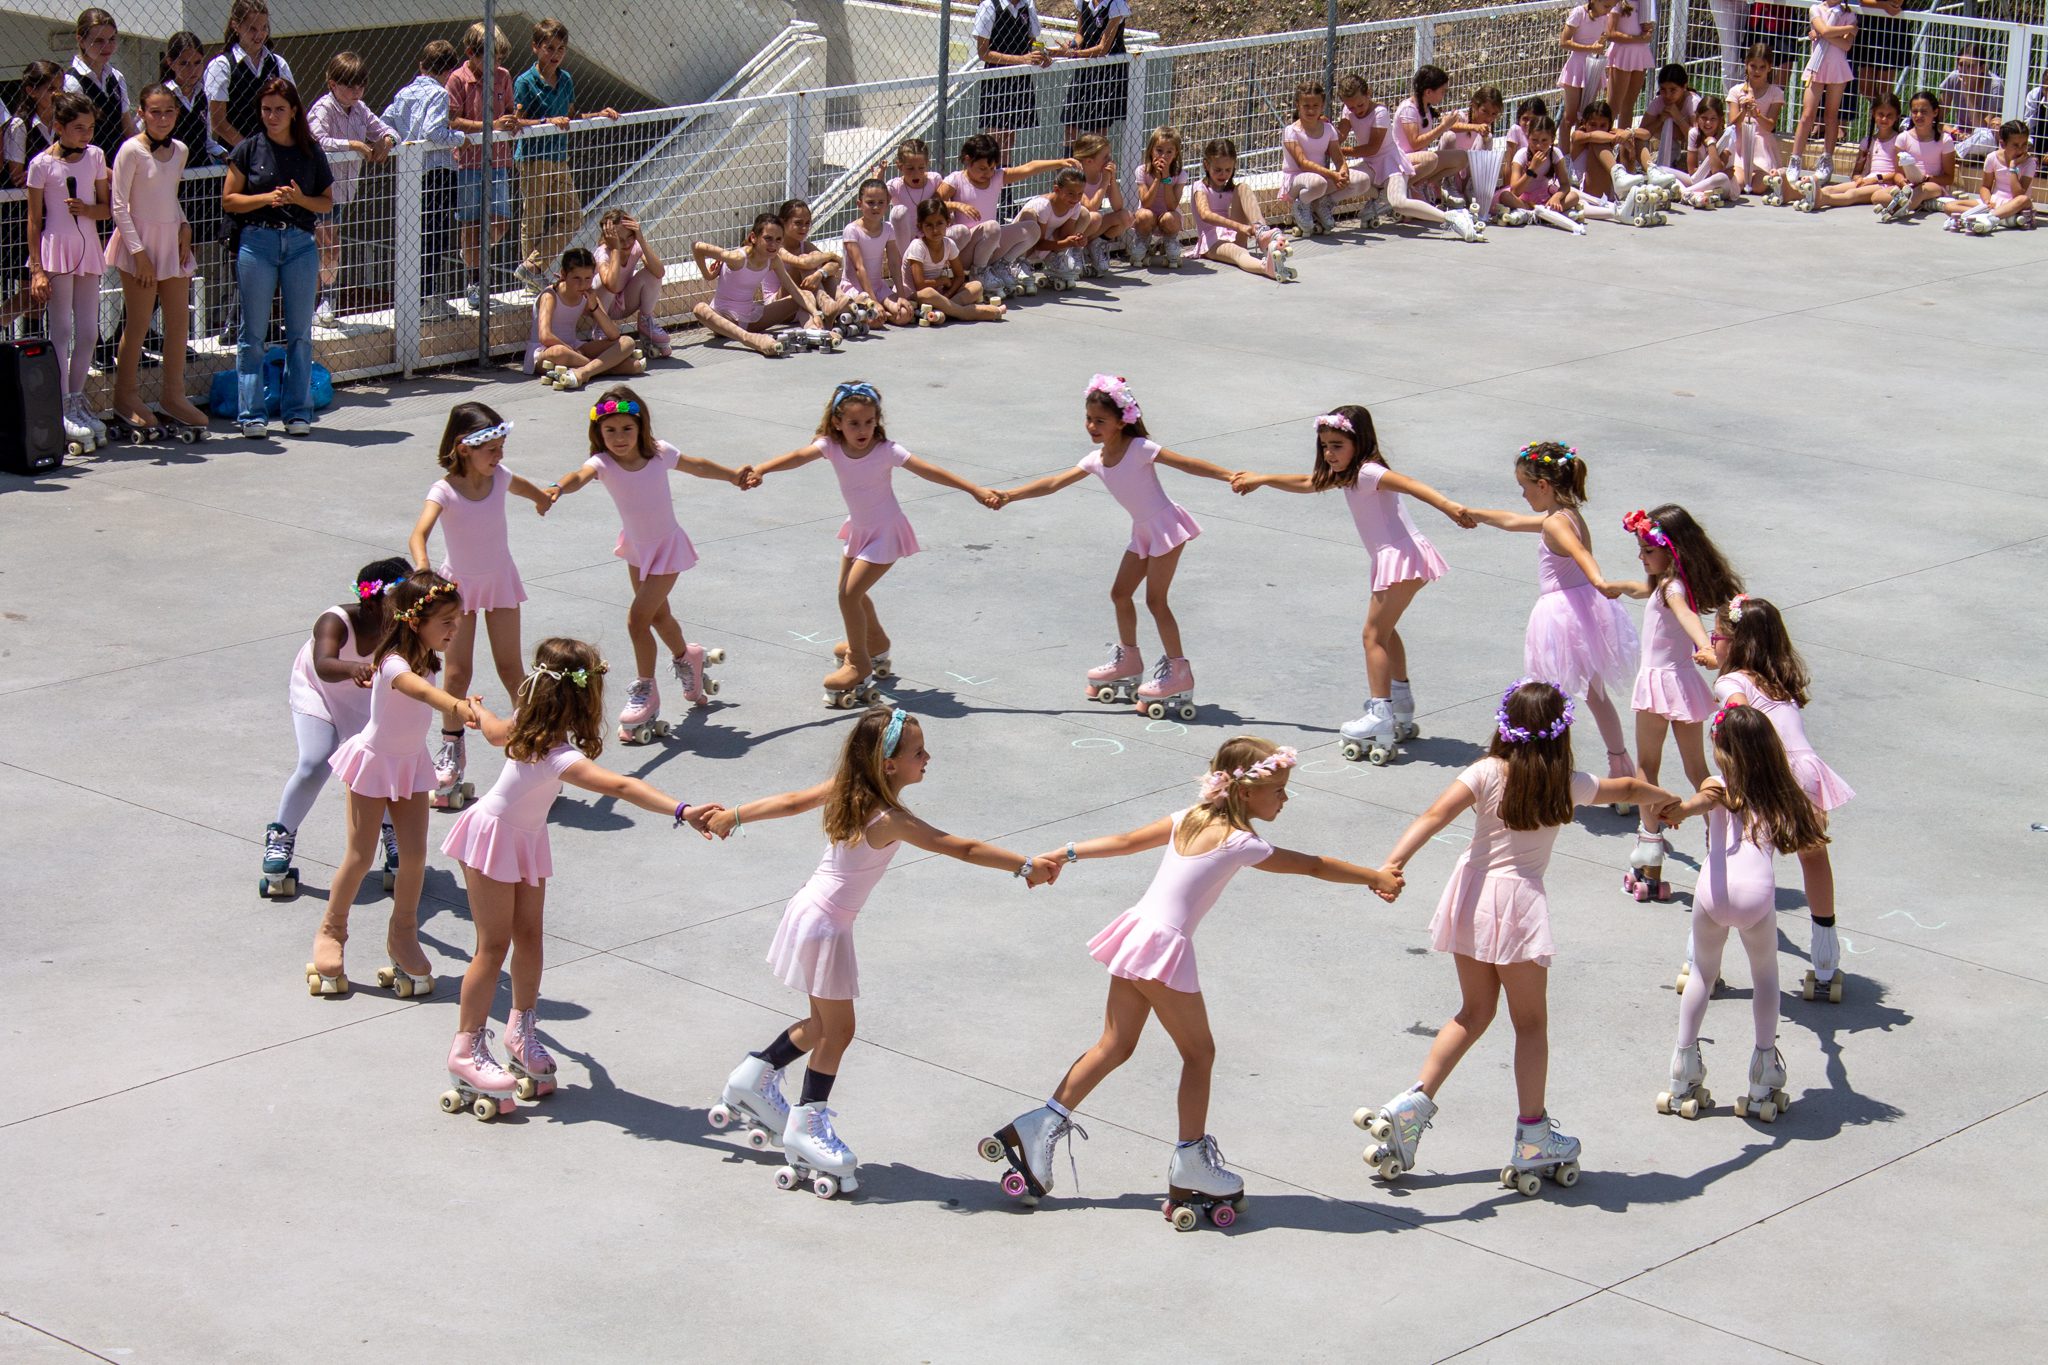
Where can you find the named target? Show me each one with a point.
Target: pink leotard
(1222, 202)
(1158, 523)
(1542, 186)
(611, 301)
(1154, 939)
(1160, 196)
(987, 202)
(1297, 145)
(1494, 908)
(741, 288)
(1408, 123)
(341, 704)
(813, 947)
(1586, 27)
(1822, 785)
(2004, 179)
(1884, 156)
(387, 759)
(1936, 158)
(477, 556)
(505, 835)
(147, 218)
(1670, 684)
(1738, 885)
(1399, 551)
(1389, 160)
(874, 255)
(1051, 222)
(875, 528)
(68, 246)
(1628, 56)
(568, 319)
(650, 537)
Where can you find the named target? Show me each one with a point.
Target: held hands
(745, 477)
(704, 819)
(1610, 591)
(1672, 814)
(991, 498)
(1457, 513)
(1050, 862)
(472, 712)
(363, 674)
(1387, 883)
(1244, 482)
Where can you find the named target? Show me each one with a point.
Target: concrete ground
(202, 1164)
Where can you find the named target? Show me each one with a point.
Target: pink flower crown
(1721, 715)
(1117, 390)
(1336, 421)
(1216, 785)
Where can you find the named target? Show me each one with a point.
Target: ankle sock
(1059, 1109)
(817, 1086)
(1823, 921)
(1528, 1122)
(780, 1053)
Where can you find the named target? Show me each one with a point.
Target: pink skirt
(1628, 56)
(1175, 526)
(1139, 949)
(488, 591)
(1574, 71)
(1576, 638)
(1393, 564)
(1822, 785)
(673, 553)
(1498, 918)
(383, 776)
(813, 952)
(159, 242)
(883, 544)
(502, 852)
(64, 252)
(1675, 692)
(1828, 65)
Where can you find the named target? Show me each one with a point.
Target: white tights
(74, 312)
(1306, 188)
(1709, 938)
(1405, 204)
(317, 743)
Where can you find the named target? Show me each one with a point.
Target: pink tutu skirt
(1828, 65)
(1628, 56)
(813, 952)
(387, 777)
(159, 243)
(1675, 692)
(883, 544)
(1822, 784)
(1498, 918)
(1139, 949)
(1176, 526)
(673, 553)
(1577, 637)
(488, 591)
(501, 851)
(1574, 72)
(1393, 564)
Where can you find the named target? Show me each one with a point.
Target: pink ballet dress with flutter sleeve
(68, 246)
(650, 537)
(1208, 235)
(1158, 523)
(1586, 27)
(505, 835)
(813, 947)
(1738, 883)
(1297, 146)
(387, 759)
(1389, 160)
(875, 528)
(1629, 56)
(477, 557)
(1154, 940)
(1822, 784)
(146, 212)
(341, 704)
(1670, 683)
(1576, 636)
(1494, 909)
(1399, 551)
(1828, 64)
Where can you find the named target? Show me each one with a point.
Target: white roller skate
(1638, 211)
(1325, 216)
(480, 1084)
(928, 316)
(1824, 977)
(1112, 682)
(996, 285)
(1375, 213)
(879, 667)
(847, 686)
(1173, 253)
(1403, 699)
(1304, 219)
(1540, 1150)
(1279, 250)
(1809, 202)
(1688, 1097)
(1780, 187)
(691, 668)
(1198, 1182)
(389, 836)
(280, 880)
(1462, 223)
(1666, 183)
(1895, 208)
(1371, 736)
(1098, 258)
(816, 1154)
(1513, 217)
(78, 437)
(527, 1058)
(1982, 224)
(822, 338)
(451, 760)
(1063, 269)
(1766, 1098)
(1170, 690)
(640, 722)
(1685, 975)
(1396, 1131)
(1645, 876)
(1134, 254)
(1027, 1143)
(100, 434)
(752, 1098)
(403, 983)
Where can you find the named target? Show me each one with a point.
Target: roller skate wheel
(1567, 1175)
(387, 978)
(1664, 1101)
(991, 1149)
(1378, 1126)
(1378, 756)
(1015, 1186)
(1182, 1216)
(1187, 710)
(1106, 693)
(1767, 1112)
(1689, 1107)
(1389, 1167)
(1155, 710)
(1405, 731)
(485, 1108)
(1222, 1215)
(1679, 985)
(1809, 987)
(758, 1139)
(1528, 1184)
(1362, 1117)
(451, 1101)
(824, 1186)
(710, 687)
(1352, 752)
(714, 656)
(785, 1179)
(720, 1117)
(1835, 991)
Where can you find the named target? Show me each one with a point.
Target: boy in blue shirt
(545, 93)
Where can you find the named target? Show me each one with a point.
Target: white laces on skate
(277, 841)
(1212, 1155)
(1066, 1128)
(769, 1088)
(821, 1129)
(637, 694)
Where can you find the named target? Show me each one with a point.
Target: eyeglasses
(1714, 639)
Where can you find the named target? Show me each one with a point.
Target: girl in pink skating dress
(555, 734)
(1754, 809)
(1584, 40)
(634, 468)
(1832, 25)
(1348, 457)
(1228, 223)
(468, 504)
(1494, 919)
(851, 438)
(1125, 459)
(1150, 953)
(68, 192)
(151, 252)
(866, 822)
(1578, 637)
(1685, 575)
(1761, 668)
(385, 768)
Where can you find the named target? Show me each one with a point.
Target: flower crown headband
(617, 407)
(859, 391)
(1736, 605)
(413, 613)
(486, 435)
(368, 588)
(1517, 734)
(579, 678)
(1546, 458)
(1117, 390)
(1640, 525)
(1336, 421)
(1217, 784)
(1720, 716)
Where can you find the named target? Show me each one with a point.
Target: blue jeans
(271, 257)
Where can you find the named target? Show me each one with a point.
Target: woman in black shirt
(276, 184)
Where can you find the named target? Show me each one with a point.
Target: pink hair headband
(1117, 390)
(1336, 421)
(1217, 784)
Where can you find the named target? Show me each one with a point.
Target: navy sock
(817, 1086)
(780, 1053)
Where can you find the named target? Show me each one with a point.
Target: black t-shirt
(265, 166)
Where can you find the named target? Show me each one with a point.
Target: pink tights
(74, 312)
(1709, 938)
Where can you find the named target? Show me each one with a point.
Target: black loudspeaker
(31, 422)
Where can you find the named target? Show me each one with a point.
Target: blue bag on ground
(223, 400)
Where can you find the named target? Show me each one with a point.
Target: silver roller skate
(753, 1100)
(78, 435)
(822, 338)
(1063, 269)
(450, 762)
(1688, 1097)
(1540, 1150)
(1766, 1098)
(1513, 217)
(1396, 1131)
(1895, 208)
(1027, 1142)
(1824, 977)
(1173, 253)
(280, 880)
(815, 1154)
(1197, 1182)
(1371, 736)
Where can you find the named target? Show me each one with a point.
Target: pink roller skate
(527, 1057)
(450, 762)
(640, 722)
(1170, 689)
(481, 1085)
(658, 341)
(1112, 682)
(1645, 876)
(690, 667)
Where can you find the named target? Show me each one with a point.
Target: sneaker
(324, 314)
(255, 431)
(476, 297)
(298, 426)
(435, 306)
(532, 276)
